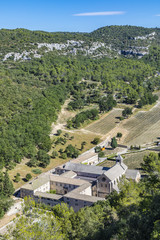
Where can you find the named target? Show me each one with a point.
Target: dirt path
(63, 116)
(61, 122)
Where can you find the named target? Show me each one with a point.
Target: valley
(65, 95)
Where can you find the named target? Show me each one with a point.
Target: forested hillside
(33, 89)
(108, 41)
(32, 94)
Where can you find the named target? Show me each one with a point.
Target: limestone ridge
(113, 41)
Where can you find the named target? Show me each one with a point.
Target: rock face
(86, 48)
(70, 47)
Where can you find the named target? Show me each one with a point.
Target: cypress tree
(114, 142)
(8, 188)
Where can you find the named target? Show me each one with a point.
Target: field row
(144, 127)
(106, 124)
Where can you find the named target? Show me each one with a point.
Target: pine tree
(8, 188)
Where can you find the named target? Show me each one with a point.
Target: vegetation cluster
(32, 92)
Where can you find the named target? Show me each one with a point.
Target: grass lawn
(134, 160)
(107, 163)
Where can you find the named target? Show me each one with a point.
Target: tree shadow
(118, 118)
(24, 179)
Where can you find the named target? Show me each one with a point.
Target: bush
(64, 155)
(127, 111)
(28, 176)
(97, 149)
(119, 135)
(33, 162)
(59, 132)
(96, 140)
(17, 178)
(54, 154)
(101, 154)
(36, 171)
(121, 118)
(52, 191)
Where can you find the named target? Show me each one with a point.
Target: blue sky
(78, 16)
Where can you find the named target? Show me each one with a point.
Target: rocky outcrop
(94, 49)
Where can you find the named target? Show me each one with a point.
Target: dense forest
(32, 94)
(132, 214)
(33, 91)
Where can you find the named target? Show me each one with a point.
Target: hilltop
(110, 41)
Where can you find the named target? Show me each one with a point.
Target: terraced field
(105, 124)
(144, 127)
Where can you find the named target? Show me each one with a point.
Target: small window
(101, 185)
(105, 185)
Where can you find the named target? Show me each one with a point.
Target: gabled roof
(67, 180)
(48, 195)
(83, 197)
(36, 183)
(69, 174)
(116, 171)
(131, 173)
(77, 167)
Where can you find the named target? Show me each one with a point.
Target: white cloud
(100, 13)
(158, 15)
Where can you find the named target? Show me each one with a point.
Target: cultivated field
(106, 123)
(143, 128)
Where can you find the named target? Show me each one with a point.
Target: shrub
(96, 140)
(59, 131)
(101, 154)
(36, 171)
(97, 149)
(54, 154)
(28, 176)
